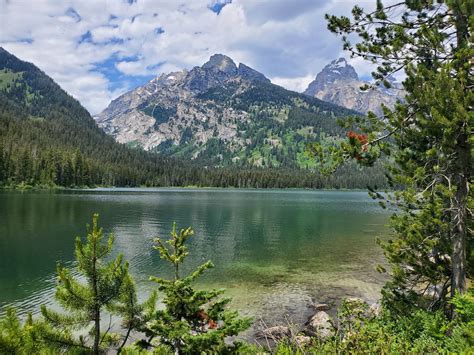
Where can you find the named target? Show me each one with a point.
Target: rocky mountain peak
(339, 83)
(221, 63)
(219, 69)
(338, 69)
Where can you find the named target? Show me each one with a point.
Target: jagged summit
(221, 63)
(338, 69)
(338, 63)
(339, 83)
(224, 64)
(341, 68)
(216, 71)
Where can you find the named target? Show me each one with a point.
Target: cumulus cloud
(99, 49)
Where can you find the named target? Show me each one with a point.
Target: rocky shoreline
(322, 324)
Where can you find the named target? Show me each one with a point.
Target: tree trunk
(124, 339)
(96, 331)
(458, 277)
(463, 168)
(459, 236)
(96, 308)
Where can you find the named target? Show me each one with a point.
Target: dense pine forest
(48, 139)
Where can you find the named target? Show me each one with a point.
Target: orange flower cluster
(201, 314)
(362, 138)
(212, 324)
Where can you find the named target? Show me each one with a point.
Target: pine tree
(135, 316)
(3, 173)
(24, 167)
(428, 138)
(85, 301)
(78, 169)
(32, 336)
(192, 321)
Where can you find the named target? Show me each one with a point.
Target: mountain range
(221, 114)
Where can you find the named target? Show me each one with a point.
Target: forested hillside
(47, 137)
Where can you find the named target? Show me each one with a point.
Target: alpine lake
(276, 252)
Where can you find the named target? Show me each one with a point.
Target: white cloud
(131, 68)
(296, 84)
(286, 40)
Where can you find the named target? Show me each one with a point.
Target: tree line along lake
(276, 251)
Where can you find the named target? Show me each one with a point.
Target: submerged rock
(322, 307)
(276, 333)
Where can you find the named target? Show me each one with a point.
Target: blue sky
(99, 49)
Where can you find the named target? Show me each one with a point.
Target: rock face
(251, 74)
(161, 110)
(339, 83)
(337, 70)
(221, 114)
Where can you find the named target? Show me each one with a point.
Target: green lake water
(276, 251)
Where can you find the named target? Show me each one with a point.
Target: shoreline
(112, 188)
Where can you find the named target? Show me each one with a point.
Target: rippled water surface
(275, 251)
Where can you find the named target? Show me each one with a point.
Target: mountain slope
(47, 137)
(339, 84)
(221, 114)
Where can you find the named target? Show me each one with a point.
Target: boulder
(302, 340)
(374, 310)
(434, 291)
(321, 326)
